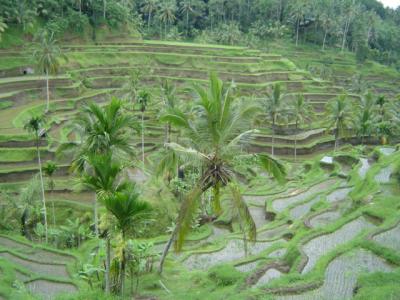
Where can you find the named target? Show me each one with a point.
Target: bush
(224, 275)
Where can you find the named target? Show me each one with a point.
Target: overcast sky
(391, 3)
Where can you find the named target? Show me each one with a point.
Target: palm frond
(272, 166)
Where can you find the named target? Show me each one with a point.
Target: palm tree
(101, 130)
(126, 208)
(49, 169)
(339, 114)
(131, 87)
(168, 91)
(274, 108)
(213, 138)
(35, 126)
(186, 8)
(3, 26)
(364, 120)
(298, 10)
(100, 175)
(47, 55)
(143, 100)
(301, 110)
(150, 7)
(167, 14)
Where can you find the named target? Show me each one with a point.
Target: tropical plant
(150, 7)
(167, 14)
(47, 55)
(49, 169)
(126, 208)
(300, 110)
(143, 100)
(131, 87)
(101, 130)
(213, 139)
(168, 92)
(35, 126)
(274, 108)
(187, 8)
(364, 122)
(339, 115)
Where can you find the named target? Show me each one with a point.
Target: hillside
(330, 231)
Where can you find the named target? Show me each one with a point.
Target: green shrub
(224, 275)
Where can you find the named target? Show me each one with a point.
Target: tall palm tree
(213, 137)
(168, 92)
(35, 126)
(131, 87)
(301, 110)
(339, 114)
(101, 130)
(187, 8)
(167, 14)
(143, 100)
(150, 7)
(3, 26)
(126, 208)
(274, 108)
(49, 169)
(298, 10)
(47, 55)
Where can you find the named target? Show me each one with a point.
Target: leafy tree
(213, 138)
(35, 126)
(47, 55)
(168, 92)
(301, 110)
(49, 169)
(274, 108)
(339, 114)
(188, 8)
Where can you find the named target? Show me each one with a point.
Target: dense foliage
(365, 27)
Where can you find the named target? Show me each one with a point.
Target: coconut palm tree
(188, 7)
(3, 26)
(301, 110)
(126, 208)
(364, 121)
(213, 139)
(339, 115)
(49, 169)
(150, 7)
(274, 108)
(101, 130)
(35, 126)
(47, 55)
(167, 14)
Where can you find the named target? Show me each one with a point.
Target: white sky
(391, 3)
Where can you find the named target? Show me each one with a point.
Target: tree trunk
(108, 264)
(148, 21)
(96, 221)
(295, 144)
(47, 92)
(297, 31)
(143, 138)
(166, 249)
(104, 9)
(323, 44)
(42, 187)
(273, 136)
(346, 28)
(336, 139)
(187, 24)
(54, 212)
(80, 7)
